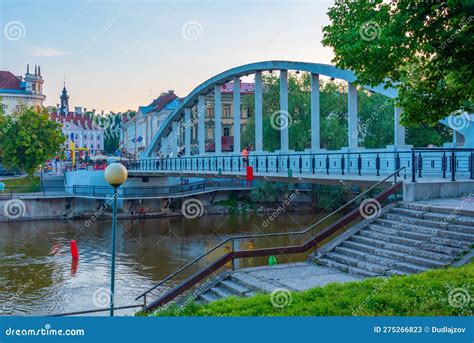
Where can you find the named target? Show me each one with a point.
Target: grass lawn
(442, 292)
(28, 184)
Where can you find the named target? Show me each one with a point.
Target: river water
(38, 277)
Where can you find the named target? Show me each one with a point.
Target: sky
(118, 55)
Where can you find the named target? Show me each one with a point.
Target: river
(38, 277)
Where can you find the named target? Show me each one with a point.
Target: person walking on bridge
(245, 156)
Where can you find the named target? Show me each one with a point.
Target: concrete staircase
(226, 286)
(409, 238)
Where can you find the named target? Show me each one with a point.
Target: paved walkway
(298, 276)
(462, 206)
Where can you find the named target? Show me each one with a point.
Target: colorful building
(17, 92)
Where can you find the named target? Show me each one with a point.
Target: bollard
(74, 250)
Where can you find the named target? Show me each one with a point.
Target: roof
(245, 87)
(9, 81)
(164, 99)
(81, 120)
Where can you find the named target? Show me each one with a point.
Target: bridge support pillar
(352, 118)
(218, 119)
(174, 138)
(315, 129)
(164, 145)
(201, 124)
(284, 115)
(187, 131)
(399, 134)
(236, 110)
(258, 112)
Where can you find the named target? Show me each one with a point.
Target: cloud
(46, 51)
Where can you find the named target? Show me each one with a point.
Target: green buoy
(272, 260)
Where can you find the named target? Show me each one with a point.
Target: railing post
(359, 164)
(396, 189)
(453, 166)
(377, 164)
(144, 301)
(343, 164)
(397, 164)
(266, 163)
(301, 164)
(256, 163)
(327, 164)
(413, 166)
(233, 251)
(471, 165)
(277, 164)
(313, 164)
(420, 164)
(444, 165)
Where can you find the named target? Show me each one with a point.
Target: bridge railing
(254, 246)
(420, 162)
(157, 191)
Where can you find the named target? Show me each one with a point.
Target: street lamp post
(115, 174)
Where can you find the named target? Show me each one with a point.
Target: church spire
(64, 109)
(28, 68)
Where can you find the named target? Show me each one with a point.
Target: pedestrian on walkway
(245, 156)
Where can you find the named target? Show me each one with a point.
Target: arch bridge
(314, 164)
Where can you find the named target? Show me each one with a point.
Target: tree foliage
(423, 48)
(375, 115)
(28, 139)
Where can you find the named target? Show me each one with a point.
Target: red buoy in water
(74, 250)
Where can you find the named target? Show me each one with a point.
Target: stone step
(345, 268)
(442, 232)
(220, 292)
(444, 244)
(390, 238)
(354, 262)
(444, 218)
(207, 297)
(390, 263)
(234, 287)
(445, 255)
(428, 223)
(455, 214)
(400, 232)
(429, 259)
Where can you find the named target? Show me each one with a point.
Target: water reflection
(38, 276)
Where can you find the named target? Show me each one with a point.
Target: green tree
(423, 48)
(29, 138)
(375, 115)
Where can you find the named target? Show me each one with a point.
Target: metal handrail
(268, 234)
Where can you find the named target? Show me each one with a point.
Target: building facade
(138, 131)
(80, 130)
(17, 92)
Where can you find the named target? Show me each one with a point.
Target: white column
(315, 130)
(164, 145)
(217, 118)
(187, 131)
(174, 138)
(237, 114)
(201, 138)
(258, 112)
(352, 117)
(399, 134)
(284, 120)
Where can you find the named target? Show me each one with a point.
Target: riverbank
(65, 207)
(442, 292)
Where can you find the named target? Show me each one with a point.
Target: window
(226, 111)
(210, 111)
(210, 133)
(226, 131)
